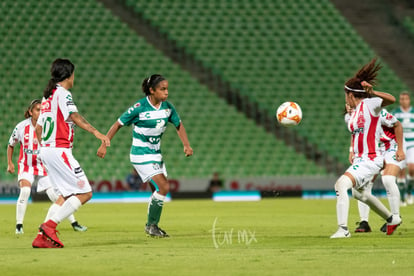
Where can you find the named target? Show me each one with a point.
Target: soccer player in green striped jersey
(150, 116)
(405, 114)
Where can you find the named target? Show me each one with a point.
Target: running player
(150, 116)
(55, 128)
(405, 114)
(364, 125)
(30, 169)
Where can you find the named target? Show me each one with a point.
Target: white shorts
(390, 158)
(147, 171)
(41, 181)
(64, 171)
(364, 170)
(409, 155)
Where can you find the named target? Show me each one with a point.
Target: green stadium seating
(272, 51)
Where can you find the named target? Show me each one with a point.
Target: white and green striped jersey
(149, 126)
(407, 121)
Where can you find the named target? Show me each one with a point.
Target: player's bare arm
(188, 151)
(10, 165)
(387, 98)
(110, 134)
(80, 121)
(398, 129)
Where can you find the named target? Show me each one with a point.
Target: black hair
(30, 108)
(60, 70)
(151, 82)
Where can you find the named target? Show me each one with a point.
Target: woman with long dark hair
(365, 127)
(55, 130)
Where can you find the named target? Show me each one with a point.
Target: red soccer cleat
(391, 226)
(50, 233)
(42, 242)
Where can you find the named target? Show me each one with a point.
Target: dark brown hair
(367, 73)
(60, 70)
(30, 108)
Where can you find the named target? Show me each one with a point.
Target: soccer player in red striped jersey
(55, 129)
(365, 127)
(393, 151)
(31, 170)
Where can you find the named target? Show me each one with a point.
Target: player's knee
(343, 183)
(164, 188)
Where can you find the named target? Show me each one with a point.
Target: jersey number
(48, 127)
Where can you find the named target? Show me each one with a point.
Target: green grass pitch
(269, 237)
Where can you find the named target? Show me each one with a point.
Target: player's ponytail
(367, 73)
(151, 82)
(30, 108)
(60, 70)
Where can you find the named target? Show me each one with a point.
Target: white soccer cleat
(341, 233)
(19, 231)
(410, 200)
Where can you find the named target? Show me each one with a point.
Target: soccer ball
(289, 114)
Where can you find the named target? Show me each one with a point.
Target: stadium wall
(263, 184)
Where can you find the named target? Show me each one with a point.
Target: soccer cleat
(363, 227)
(341, 233)
(393, 224)
(165, 233)
(147, 227)
(403, 204)
(154, 231)
(19, 229)
(384, 228)
(50, 233)
(79, 228)
(410, 200)
(42, 242)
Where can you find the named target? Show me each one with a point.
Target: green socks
(155, 208)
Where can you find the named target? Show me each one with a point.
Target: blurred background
(229, 63)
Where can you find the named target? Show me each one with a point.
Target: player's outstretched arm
(111, 133)
(82, 123)
(188, 151)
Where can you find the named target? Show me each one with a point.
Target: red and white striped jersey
(29, 162)
(388, 122)
(58, 128)
(365, 126)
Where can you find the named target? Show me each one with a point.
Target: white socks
(362, 207)
(52, 194)
(342, 185)
(21, 204)
(374, 203)
(53, 197)
(158, 196)
(70, 206)
(393, 193)
(52, 210)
